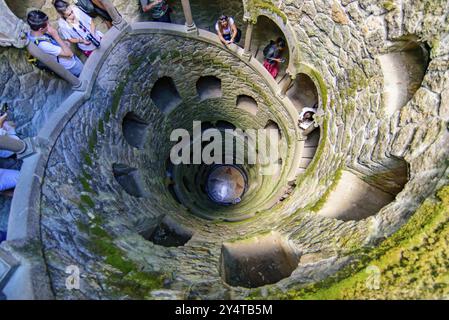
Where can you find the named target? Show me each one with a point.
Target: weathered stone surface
(340, 41)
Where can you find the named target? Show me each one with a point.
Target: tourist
(306, 117)
(7, 128)
(160, 10)
(8, 180)
(95, 8)
(77, 27)
(46, 38)
(227, 30)
(272, 54)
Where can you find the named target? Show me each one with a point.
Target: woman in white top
(77, 27)
(227, 30)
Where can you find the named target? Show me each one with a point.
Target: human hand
(86, 42)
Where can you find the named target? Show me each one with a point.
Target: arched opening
(130, 179)
(358, 196)
(167, 233)
(208, 87)
(165, 95)
(134, 130)
(247, 103)
(303, 92)
(264, 31)
(274, 126)
(403, 69)
(256, 262)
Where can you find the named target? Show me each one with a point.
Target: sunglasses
(223, 18)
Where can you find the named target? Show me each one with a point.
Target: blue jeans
(8, 179)
(77, 68)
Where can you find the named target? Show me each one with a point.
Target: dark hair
(281, 42)
(37, 20)
(61, 6)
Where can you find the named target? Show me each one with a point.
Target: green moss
(86, 175)
(87, 200)
(118, 96)
(85, 183)
(412, 262)
(87, 158)
(101, 126)
(320, 203)
(389, 5)
(107, 116)
(92, 141)
(128, 279)
(267, 5)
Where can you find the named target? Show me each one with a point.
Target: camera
(92, 39)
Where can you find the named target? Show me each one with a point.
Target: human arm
(234, 32)
(65, 50)
(151, 5)
(78, 40)
(219, 34)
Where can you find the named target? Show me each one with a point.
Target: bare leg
(3, 119)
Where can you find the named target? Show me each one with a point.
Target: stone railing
(23, 273)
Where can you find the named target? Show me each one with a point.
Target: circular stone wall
(109, 207)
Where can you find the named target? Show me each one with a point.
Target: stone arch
(316, 78)
(287, 31)
(303, 92)
(403, 68)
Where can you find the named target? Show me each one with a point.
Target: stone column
(117, 19)
(12, 29)
(286, 85)
(11, 144)
(248, 38)
(191, 27)
(54, 66)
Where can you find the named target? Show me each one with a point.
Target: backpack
(37, 63)
(268, 50)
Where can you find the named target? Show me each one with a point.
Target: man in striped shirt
(160, 10)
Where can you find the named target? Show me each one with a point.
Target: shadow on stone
(258, 261)
(208, 87)
(165, 95)
(130, 179)
(247, 103)
(134, 130)
(167, 233)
